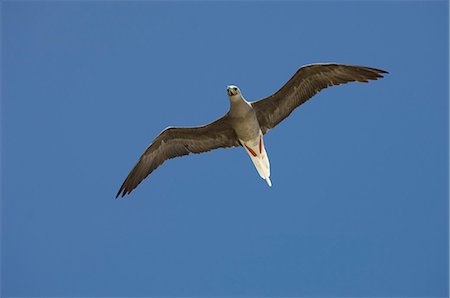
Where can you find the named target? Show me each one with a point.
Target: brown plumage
(178, 141)
(305, 83)
(270, 111)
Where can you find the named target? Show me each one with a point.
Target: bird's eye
(235, 89)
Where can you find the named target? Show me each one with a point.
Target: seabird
(246, 122)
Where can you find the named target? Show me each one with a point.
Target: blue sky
(359, 205)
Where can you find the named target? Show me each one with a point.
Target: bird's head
(233, 90)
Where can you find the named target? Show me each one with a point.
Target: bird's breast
(246, 126)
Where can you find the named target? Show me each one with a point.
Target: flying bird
(246, 122)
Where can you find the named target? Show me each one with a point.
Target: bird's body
(246, 122)
(243, 118)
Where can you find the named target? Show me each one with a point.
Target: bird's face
(233, 90)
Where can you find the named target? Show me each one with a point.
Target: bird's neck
(237, 98)
(238, 105)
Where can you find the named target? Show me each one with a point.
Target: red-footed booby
(246, 122)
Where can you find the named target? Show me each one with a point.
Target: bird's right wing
(178, 141)
(305, 83)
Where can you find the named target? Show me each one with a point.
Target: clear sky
(359, 203)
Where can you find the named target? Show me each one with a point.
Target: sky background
(359, 203)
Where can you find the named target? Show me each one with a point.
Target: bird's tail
(258, 155)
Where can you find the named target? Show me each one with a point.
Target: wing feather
(305, 83)
(179, 141)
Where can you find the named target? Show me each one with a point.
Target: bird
(245, 124)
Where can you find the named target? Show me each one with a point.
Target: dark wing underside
(178, 141)
(305, 83)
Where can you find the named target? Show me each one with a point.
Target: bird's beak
(230, 91)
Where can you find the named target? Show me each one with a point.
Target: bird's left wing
(178, 141)
(305, 83)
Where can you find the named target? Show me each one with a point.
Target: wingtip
(380, 71)
(121, 194)
(269, 182)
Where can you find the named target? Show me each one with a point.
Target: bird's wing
(305, 83)
(178, 141)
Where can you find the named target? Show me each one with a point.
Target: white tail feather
(259, 157)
